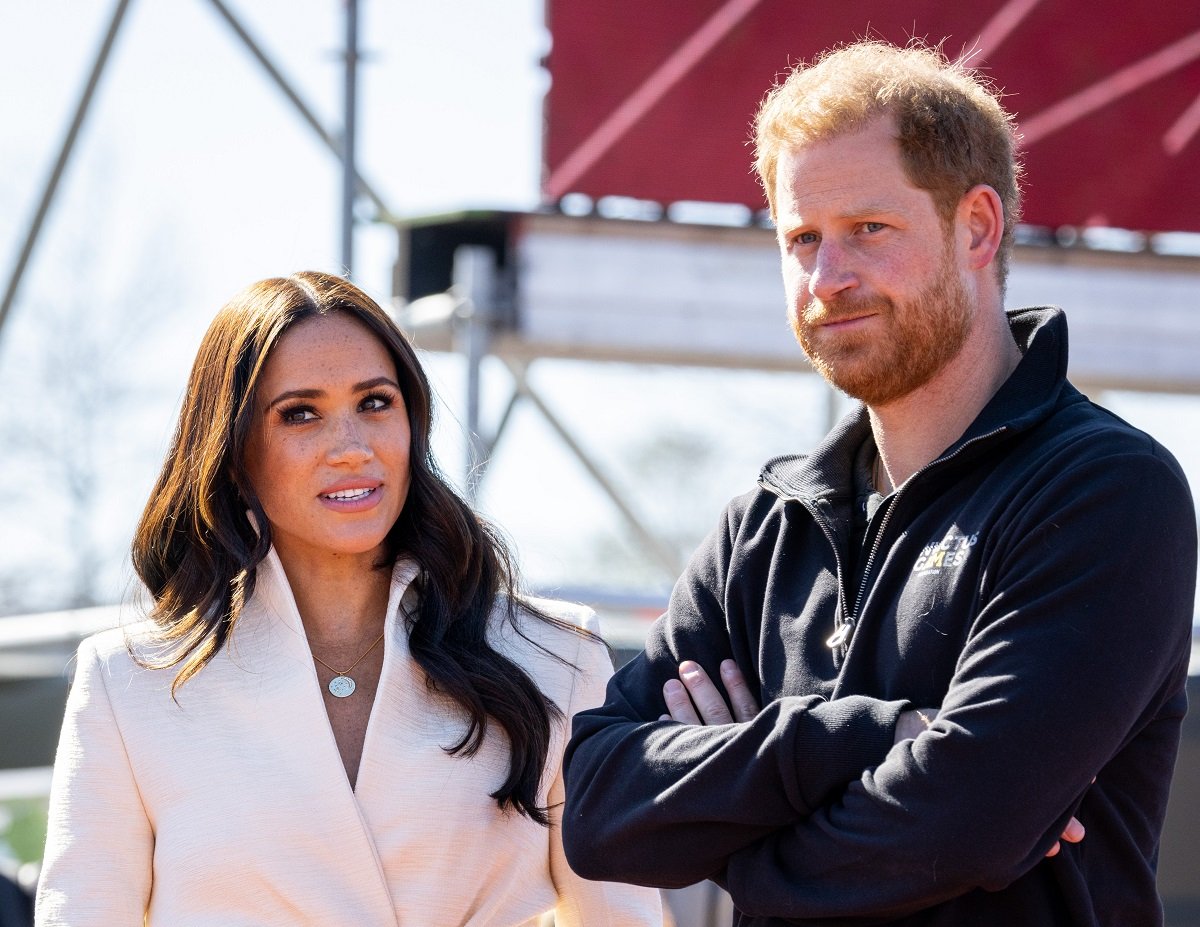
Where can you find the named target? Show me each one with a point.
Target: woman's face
(328, 450)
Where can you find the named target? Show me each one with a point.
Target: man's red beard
(917, 338)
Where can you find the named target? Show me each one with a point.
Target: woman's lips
(352, 498)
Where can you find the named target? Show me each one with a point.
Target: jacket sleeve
(659, 803)
(99, 844)
(1080, 646)
(581, 902)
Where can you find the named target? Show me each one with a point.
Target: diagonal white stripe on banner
(1000, 27)
(1125, 81)
(652, 89)
(1184, 130)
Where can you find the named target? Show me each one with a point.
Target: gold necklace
(341, 685)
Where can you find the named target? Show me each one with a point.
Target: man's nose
(832, 272)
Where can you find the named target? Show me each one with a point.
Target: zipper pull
(842, 634)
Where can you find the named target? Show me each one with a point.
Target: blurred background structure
(556, 199)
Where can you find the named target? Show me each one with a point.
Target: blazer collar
(270, 642)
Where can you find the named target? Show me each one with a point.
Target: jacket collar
(269, 636)
(1029, 395)
(272, 591)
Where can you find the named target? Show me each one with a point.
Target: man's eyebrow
(870, 209)
(792, 219)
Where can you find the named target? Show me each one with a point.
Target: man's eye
(874, 226)
(806, 238)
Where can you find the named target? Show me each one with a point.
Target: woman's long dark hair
(197, 552)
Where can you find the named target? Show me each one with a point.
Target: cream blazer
(231, 807)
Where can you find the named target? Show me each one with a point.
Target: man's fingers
(678, 704)
(694, 698)
(707, 698)
(1073, 833)
(741, 699)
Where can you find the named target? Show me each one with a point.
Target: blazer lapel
(398, 712)
(271, 653)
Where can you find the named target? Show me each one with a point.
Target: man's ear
(980, 224)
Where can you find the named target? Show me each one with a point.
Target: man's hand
(1072, 834)
(694, 699)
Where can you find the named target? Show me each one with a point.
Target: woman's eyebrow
(376, 381)
(296, 394)
(312, 393)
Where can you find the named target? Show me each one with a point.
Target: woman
(339, 712)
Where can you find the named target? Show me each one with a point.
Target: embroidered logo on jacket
(950, 552)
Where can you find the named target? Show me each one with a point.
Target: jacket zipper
(842, 631)
(848, 625)
(841, 635)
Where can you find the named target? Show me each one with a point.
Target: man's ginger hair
(952, 131)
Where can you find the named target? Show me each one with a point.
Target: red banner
(653, 98)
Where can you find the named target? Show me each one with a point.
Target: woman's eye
(297, 415)
(375, 402)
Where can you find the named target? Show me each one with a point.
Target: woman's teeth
(345, 495)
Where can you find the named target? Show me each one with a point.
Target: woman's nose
(350, 443)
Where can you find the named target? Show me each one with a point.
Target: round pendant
(341, 686)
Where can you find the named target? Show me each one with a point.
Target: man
(977, 537)
(16, 905)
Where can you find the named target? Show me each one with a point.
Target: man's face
(875, 290)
